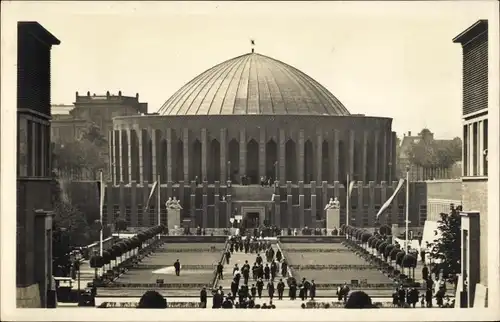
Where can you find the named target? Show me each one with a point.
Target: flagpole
(101, 231)
(407, 206)
(347, 203)
(158, 201)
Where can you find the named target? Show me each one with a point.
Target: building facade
(474, 42)
(251, 116)
(70, 121)
(34, 173)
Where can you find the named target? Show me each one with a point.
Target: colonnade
(182, 155)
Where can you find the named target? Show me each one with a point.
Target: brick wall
(475, 198)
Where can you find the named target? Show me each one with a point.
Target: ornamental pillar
(375, 156)
(223, 156)
(262, 152)
(335, 157)
(243, 153)
(185, 146)
(204, 154)
(169, 155)
(319, 157)
(300, 157)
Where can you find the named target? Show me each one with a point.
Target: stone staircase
(251, 193)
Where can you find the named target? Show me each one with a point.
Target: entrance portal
(252, 220)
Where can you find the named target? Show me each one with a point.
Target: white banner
(391, 198)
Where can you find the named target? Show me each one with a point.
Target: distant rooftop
(61, 108)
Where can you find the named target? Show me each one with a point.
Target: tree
(446, 250)
(152, 300)
(85, 155)
(434, 155)
(359, 300)
(120, 225)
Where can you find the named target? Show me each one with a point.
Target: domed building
(249, 117)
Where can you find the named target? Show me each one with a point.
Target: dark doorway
(251, 220)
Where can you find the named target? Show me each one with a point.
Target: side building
(474, 41)
(69, 122)
(34, 177)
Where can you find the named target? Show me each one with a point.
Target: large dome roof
(253, 84)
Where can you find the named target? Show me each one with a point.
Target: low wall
(193, 239)
(310, 239)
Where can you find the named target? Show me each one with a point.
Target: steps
(251, 193)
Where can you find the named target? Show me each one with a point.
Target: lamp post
(228, 170)
(275, 170)
(407, 219)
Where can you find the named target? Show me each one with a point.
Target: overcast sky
(383, 59)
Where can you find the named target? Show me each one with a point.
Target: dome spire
(252, 42)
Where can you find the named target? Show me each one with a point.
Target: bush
(152, 300)
(359, 300)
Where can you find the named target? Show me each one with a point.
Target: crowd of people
(250, 282)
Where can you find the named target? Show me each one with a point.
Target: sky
(389, 59)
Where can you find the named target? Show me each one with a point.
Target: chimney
(137, 96)
(409, 133)
(120, 93)
(76, 95)
(88, 93)
(107, 94)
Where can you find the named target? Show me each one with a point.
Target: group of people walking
(270, 275)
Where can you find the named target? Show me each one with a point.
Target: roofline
(473, 31)
(38, 31)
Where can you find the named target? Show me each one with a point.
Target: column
(203, 154)
(319, 157)
(141, 159)
(223, 154)
(42, 150)
(120, 141)
(243, 153)
(185, 146)
(111, 151)
(154, 154)
(129, 144)
(169, 154)
(350, 154)
(34, 159)
(393, 155)
(262, 152)
(471, 149)
(364, 157)
(375, 157)
(300, 150)
(480, 140)
(282, 155)
(114, 161)
(336, 156)
(384, 157)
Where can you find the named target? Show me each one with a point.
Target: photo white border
(8, 174)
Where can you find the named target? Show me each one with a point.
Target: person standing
(270, 289)
(312, 290)
(220, 268)
(281, 289)
(177, 267)
(267, 272)
(253, 291)
(425, 272)
(228, 256)
(260, 287)
(203, 298)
